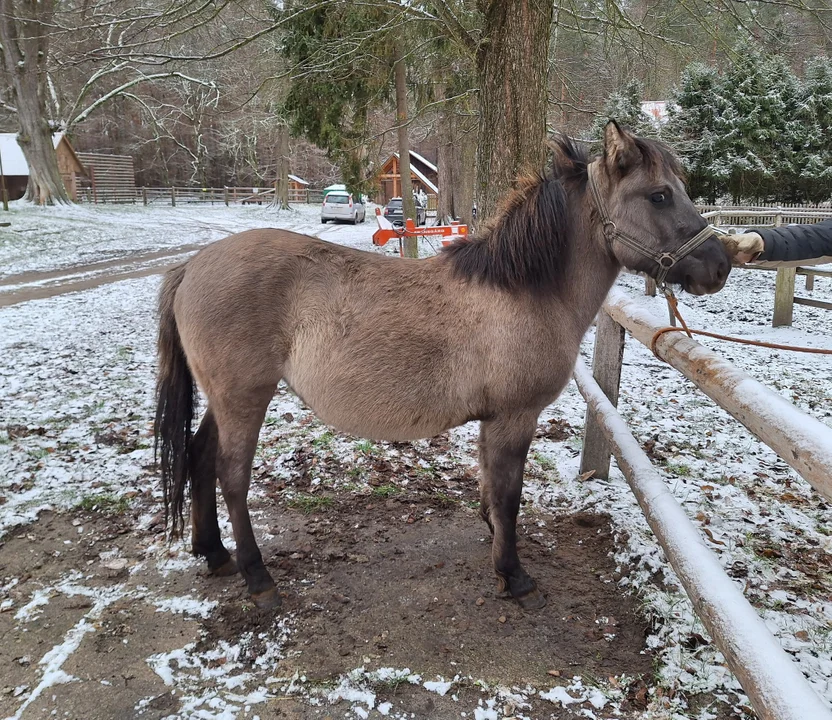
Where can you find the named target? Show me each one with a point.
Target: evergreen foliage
(330, 104)
(757, 132)
(624, 105)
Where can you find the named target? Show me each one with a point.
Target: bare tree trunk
(411, 245)
(24, 36)
(512, 67)
(465, 152)
(447, 165)
(282, 185)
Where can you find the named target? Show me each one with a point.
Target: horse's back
(253, 299)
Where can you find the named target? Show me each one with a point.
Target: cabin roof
(14, 162)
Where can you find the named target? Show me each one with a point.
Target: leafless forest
(234, 92)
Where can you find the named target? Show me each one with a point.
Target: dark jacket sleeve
(801, 242)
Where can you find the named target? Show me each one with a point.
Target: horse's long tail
(176, 404)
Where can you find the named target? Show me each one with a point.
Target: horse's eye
(658, 198)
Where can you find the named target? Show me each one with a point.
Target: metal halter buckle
(667, 261)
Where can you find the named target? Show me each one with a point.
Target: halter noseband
(665, 260)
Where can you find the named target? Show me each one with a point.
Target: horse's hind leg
(504, 444)
(205, 530)
(238, 425)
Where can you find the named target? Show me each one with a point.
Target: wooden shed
(423, 174)
(16, 169)
(112, 178)
(298, 189)
(297, 183)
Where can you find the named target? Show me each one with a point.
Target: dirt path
(98, 614)
(15, 289)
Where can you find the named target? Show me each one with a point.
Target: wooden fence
(110, 179)
(774, 685)
(212, 196)
(749, 218)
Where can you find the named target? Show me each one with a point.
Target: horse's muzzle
(704, 271)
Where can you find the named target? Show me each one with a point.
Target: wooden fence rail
(775, 687)
(173, 195)
(749, 218)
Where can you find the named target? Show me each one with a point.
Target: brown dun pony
(487, 331)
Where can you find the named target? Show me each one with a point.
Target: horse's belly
(378, 410)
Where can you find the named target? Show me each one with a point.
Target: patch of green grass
(392, 683)
(324, 441)
(37, 453)
(385, 491)
(446, 499)
(678, 469)
(365, 447)
(424, 471)
(309, 504)
(355, 472)
(105, 504)
(544, 462)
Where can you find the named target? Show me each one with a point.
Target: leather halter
(665, 260)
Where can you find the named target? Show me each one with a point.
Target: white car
(340, 205)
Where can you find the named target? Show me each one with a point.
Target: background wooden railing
(185, 195)
(784, 287)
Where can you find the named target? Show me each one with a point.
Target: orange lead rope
(673, 304)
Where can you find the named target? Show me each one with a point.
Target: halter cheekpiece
(665, 260)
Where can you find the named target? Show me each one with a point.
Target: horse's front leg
(504, 444)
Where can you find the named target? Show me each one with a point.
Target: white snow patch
(186, 605)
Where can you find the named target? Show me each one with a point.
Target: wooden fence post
(784, 297)
(144, 195)
(810, 281)
(173, 197)
(650, 287)
(607, 359)
(225, 196)
(93, 184)
(783, 288)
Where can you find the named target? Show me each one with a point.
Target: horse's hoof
(532, 600)
(228, 568)
(267, 600)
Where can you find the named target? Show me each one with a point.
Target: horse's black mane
(526, 245)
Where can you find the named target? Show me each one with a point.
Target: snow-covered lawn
(76, 408)
(42, 239)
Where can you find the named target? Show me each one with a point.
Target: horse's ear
(563, 155)
(620, 150)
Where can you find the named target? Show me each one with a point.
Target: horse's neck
(592, 270)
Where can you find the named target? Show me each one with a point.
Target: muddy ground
(401, 582)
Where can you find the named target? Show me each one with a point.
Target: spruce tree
(816, 112)
(737, 162)
(624, 105)
(691, 128)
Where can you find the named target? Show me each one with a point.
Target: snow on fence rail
(765, 216)
(776, 688)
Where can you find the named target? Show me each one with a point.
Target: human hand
(743, 248)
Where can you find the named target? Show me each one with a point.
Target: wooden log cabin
(16, 169)
(423, 174)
